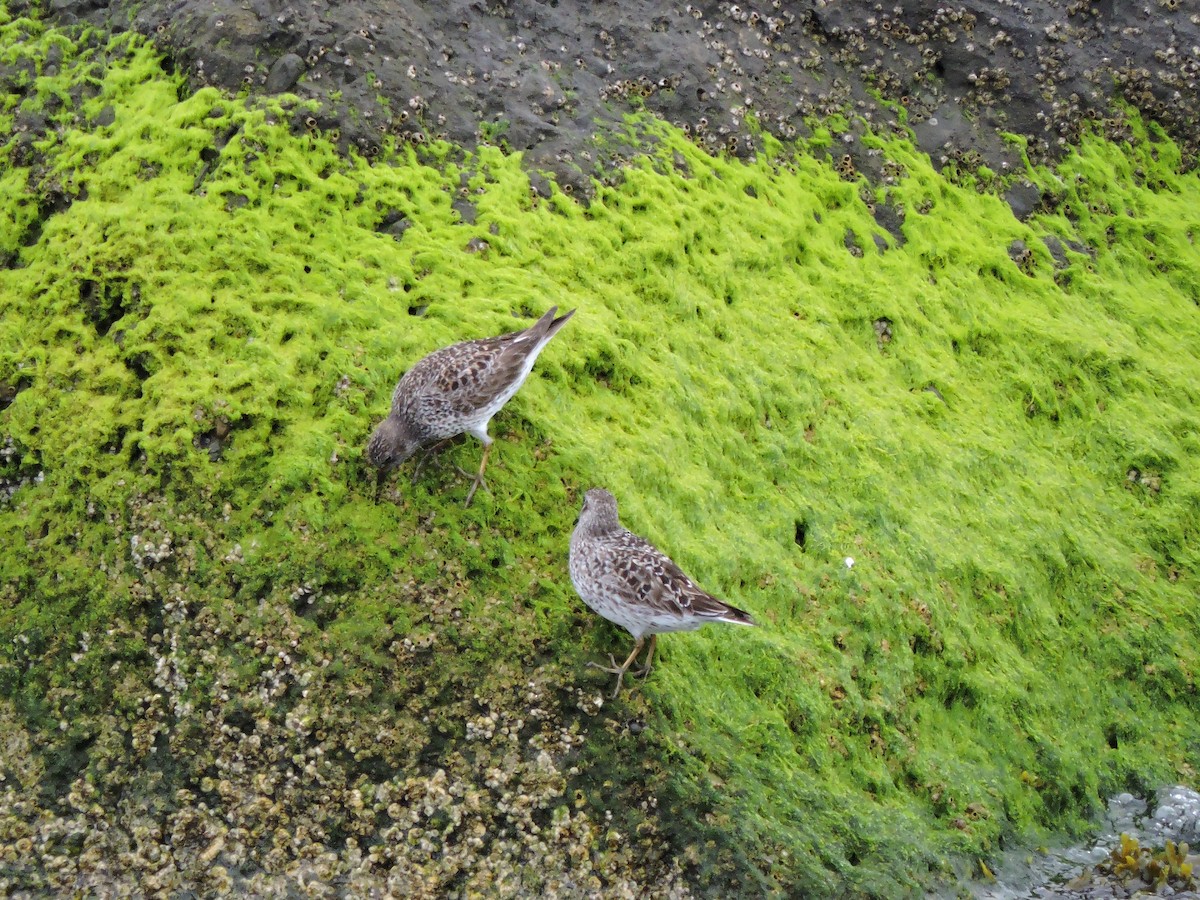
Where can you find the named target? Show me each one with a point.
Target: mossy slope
(204, 316)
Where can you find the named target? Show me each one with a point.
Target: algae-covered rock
(554, 80)
(224, 666)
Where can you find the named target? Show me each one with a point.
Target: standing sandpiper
(457, 390)
(631, 583)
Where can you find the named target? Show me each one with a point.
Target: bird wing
(495, 364)
(465, 377)
(646, 575)
(469, 376)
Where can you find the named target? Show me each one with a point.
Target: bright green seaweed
(1008, 455)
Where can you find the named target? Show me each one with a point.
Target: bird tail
(549, 325)
(735, 616)
(555, 324)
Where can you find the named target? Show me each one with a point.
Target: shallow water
(1174, 815)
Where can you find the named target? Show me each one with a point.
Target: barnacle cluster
(235, 756)
(742, 68)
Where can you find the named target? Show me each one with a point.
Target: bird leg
(620, 671)
(487, 449)
(645, 670)
(427, 455)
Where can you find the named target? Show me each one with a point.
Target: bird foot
(612, 668)
(477, 481)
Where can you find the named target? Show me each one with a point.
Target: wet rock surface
(555, 80)
(1086, 872)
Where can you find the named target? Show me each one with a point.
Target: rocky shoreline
(226, 667)
(555, 80)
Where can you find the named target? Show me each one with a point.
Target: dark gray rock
(891, 219)
(1023, 197)
(1057, 252)
(284, 73)
(394, 223)
(553, 76)
(465, 210)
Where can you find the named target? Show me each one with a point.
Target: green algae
(213, 319)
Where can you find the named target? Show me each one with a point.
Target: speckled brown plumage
(633, 584)
(457, 390)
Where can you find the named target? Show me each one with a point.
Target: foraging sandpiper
(457, 390)
(631, 583)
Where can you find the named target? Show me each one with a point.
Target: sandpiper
(633, 584)
(457, 390)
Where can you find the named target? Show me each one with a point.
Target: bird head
(599, 512)
(390, 445)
